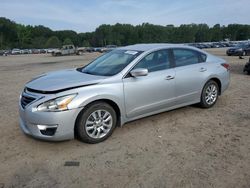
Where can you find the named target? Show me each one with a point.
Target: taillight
(225, 65)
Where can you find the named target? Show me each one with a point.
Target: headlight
(55, 105)
(240, 49)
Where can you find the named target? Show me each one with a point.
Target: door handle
(169, 77)
(202, 69)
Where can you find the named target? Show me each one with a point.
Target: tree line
(14, 35)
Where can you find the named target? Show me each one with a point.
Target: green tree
(13, 35)
(85, 43)
(216, 33)
(39, 42)
(24, 36)
(8, 33)
(53, 42)
(62, 35)
(67, 41)
(202, 34)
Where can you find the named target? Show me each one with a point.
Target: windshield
(111, 63)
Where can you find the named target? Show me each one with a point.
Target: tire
(209, 95)
(96, 123)
(244, 53)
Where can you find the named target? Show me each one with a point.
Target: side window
(185, 57)
(155, 61)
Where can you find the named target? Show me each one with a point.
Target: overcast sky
(86, 15)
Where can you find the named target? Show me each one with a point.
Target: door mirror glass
(139, 72)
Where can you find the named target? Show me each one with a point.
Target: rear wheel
(96, 123)
(209, 94)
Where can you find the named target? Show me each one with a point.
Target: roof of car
(151, 46)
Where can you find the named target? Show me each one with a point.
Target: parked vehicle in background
(16, 51)
(7, 52)
(89, 49)
(50, 50)
(1, 52)
(91, 101)
(247, 67)
(35, 51)
(42, 51)
(65, 50)
(99, 49)
(80, 50)
(109, 48)
(26, 51)
(241, 49)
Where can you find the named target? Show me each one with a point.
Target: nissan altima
(125, 84)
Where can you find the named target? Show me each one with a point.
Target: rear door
(191, 72)
(153, 92)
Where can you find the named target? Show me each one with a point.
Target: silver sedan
(125, 84)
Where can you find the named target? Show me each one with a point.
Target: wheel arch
(217, 80)
(113, 104)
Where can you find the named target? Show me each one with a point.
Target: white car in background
(65, 50)
(16, 51)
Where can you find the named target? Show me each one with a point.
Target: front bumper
(61, 122)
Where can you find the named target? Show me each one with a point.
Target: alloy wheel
(98, 124)
(211, 94)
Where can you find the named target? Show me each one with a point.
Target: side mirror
(139, 72)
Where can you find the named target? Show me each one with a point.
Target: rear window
(184, 57)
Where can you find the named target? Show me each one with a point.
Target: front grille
(25, 100)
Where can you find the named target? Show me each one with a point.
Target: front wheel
(209, 94)
(244, 53)
(96, 123)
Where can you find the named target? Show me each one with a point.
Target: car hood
(62, 80)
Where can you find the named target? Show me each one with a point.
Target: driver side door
(151, 93)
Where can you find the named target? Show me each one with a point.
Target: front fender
(89, 94)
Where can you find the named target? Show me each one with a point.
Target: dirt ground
(187, 147)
